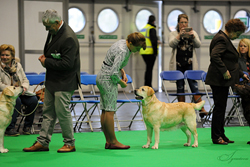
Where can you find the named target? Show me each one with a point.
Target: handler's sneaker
(11, 132)
(27, 130)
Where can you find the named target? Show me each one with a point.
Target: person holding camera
(183, 42)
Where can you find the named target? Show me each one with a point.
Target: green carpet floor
(90, 151)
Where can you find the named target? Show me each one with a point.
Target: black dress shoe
(248, 142)
(219, 141)
(227, 140)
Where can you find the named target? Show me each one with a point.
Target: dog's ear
(7, 92)
(150, 91)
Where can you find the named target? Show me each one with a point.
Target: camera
(186, 35)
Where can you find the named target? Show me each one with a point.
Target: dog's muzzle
(138, 97)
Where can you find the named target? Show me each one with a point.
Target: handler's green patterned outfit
(107, 79)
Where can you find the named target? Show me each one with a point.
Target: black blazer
(62, 61)
(223, 57)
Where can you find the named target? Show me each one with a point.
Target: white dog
(7, 104)
(167, 116)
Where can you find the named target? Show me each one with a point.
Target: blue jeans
(30, 102)
(192, 83)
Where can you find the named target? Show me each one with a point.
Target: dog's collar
(148, 102)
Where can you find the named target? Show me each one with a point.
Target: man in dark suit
(62, 62)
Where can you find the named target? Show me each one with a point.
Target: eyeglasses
(183, 22)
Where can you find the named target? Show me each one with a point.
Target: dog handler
(110, 75)
(62, 62)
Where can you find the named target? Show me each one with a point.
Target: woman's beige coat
(173, 42)
(5, 79)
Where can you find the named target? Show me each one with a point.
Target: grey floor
(124, 114)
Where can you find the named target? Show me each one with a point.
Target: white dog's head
(144, 92)
(12, 92)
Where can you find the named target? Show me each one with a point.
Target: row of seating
(200, 75)
(89, 103)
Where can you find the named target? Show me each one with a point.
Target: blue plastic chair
(87, 80)
(35, 79)
(121, 102)
(173, 76)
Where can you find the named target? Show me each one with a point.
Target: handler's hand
(122, 83)
(124, 78)
(42, 60)
(227, 75)
(24, 90)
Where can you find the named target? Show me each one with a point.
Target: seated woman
(12, 74)
(244, 55)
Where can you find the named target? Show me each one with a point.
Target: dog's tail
(199, 105)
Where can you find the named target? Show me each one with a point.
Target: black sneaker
(27, 130)
(11, 132)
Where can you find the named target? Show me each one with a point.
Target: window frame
(222, 24)
(117, 18)
(152, 13)
(183, 12)
(248, 30)
(83, 16)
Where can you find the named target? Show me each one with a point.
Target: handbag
(40, 93)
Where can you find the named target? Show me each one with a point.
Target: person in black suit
(223, 72)
(62, 62)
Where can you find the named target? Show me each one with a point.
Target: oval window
(108, 20)
(141, 18)
(244, 16)
(77, 19)
(172, 19)
(212, 21)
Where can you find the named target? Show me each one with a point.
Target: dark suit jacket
(62, 72)
(223, 57)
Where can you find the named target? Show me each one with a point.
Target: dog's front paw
(145, 146)
(187, 144)
(154, 147)
(195, 145)
(3, 150)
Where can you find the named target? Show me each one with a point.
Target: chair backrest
(42, 73)
(35, 79)
(88, 79)
(129, 79)
(172, 75)
(31, 73)
(203, 76)
(193, 74)
(83, 73)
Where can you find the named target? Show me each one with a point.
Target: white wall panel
(84, 43)
(9, 23)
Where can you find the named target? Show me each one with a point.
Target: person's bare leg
(103, 126)
(109, 126)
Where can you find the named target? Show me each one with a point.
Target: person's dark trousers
(220, 96)
(30, 102)
(180, 83)
(149, 61)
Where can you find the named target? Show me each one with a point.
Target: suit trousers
(220, 96)
(149, 61)
(55, 106)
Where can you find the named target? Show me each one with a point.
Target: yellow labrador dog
(7, 104)
(167, 116)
